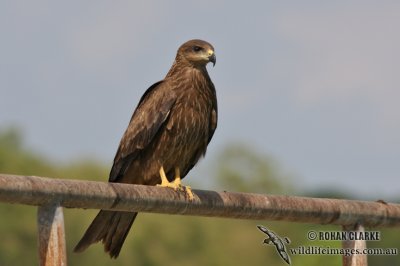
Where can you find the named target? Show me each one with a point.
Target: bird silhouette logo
(277, 241)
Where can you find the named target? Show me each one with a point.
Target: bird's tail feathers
(111, 227)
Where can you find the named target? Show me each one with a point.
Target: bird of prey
(279, 242)
(168, 133)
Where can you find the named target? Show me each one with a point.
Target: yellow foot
(176, 184)
(189, 193)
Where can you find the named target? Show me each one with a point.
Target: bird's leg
(176, 184)
(177, 181)
(166, 183)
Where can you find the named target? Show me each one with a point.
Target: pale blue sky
(321, 81)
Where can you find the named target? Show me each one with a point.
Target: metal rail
(51, 194)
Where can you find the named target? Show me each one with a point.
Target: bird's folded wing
(150, 115)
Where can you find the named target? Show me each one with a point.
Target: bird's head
(197, 53)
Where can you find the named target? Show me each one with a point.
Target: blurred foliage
(168, 239)
(240, 168)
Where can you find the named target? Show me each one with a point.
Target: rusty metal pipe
(33, 190)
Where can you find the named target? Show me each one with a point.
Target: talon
(176, 184)
(189, 193)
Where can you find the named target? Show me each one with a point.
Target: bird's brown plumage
(170, 128)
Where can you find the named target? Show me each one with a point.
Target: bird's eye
(197, 48)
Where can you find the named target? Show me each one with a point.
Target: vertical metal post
(52, 248)
(354, 246)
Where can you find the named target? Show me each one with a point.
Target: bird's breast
(188, 121)
(191, 113)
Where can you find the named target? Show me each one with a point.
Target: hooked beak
(211, 57)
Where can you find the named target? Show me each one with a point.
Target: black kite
(168, 133)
